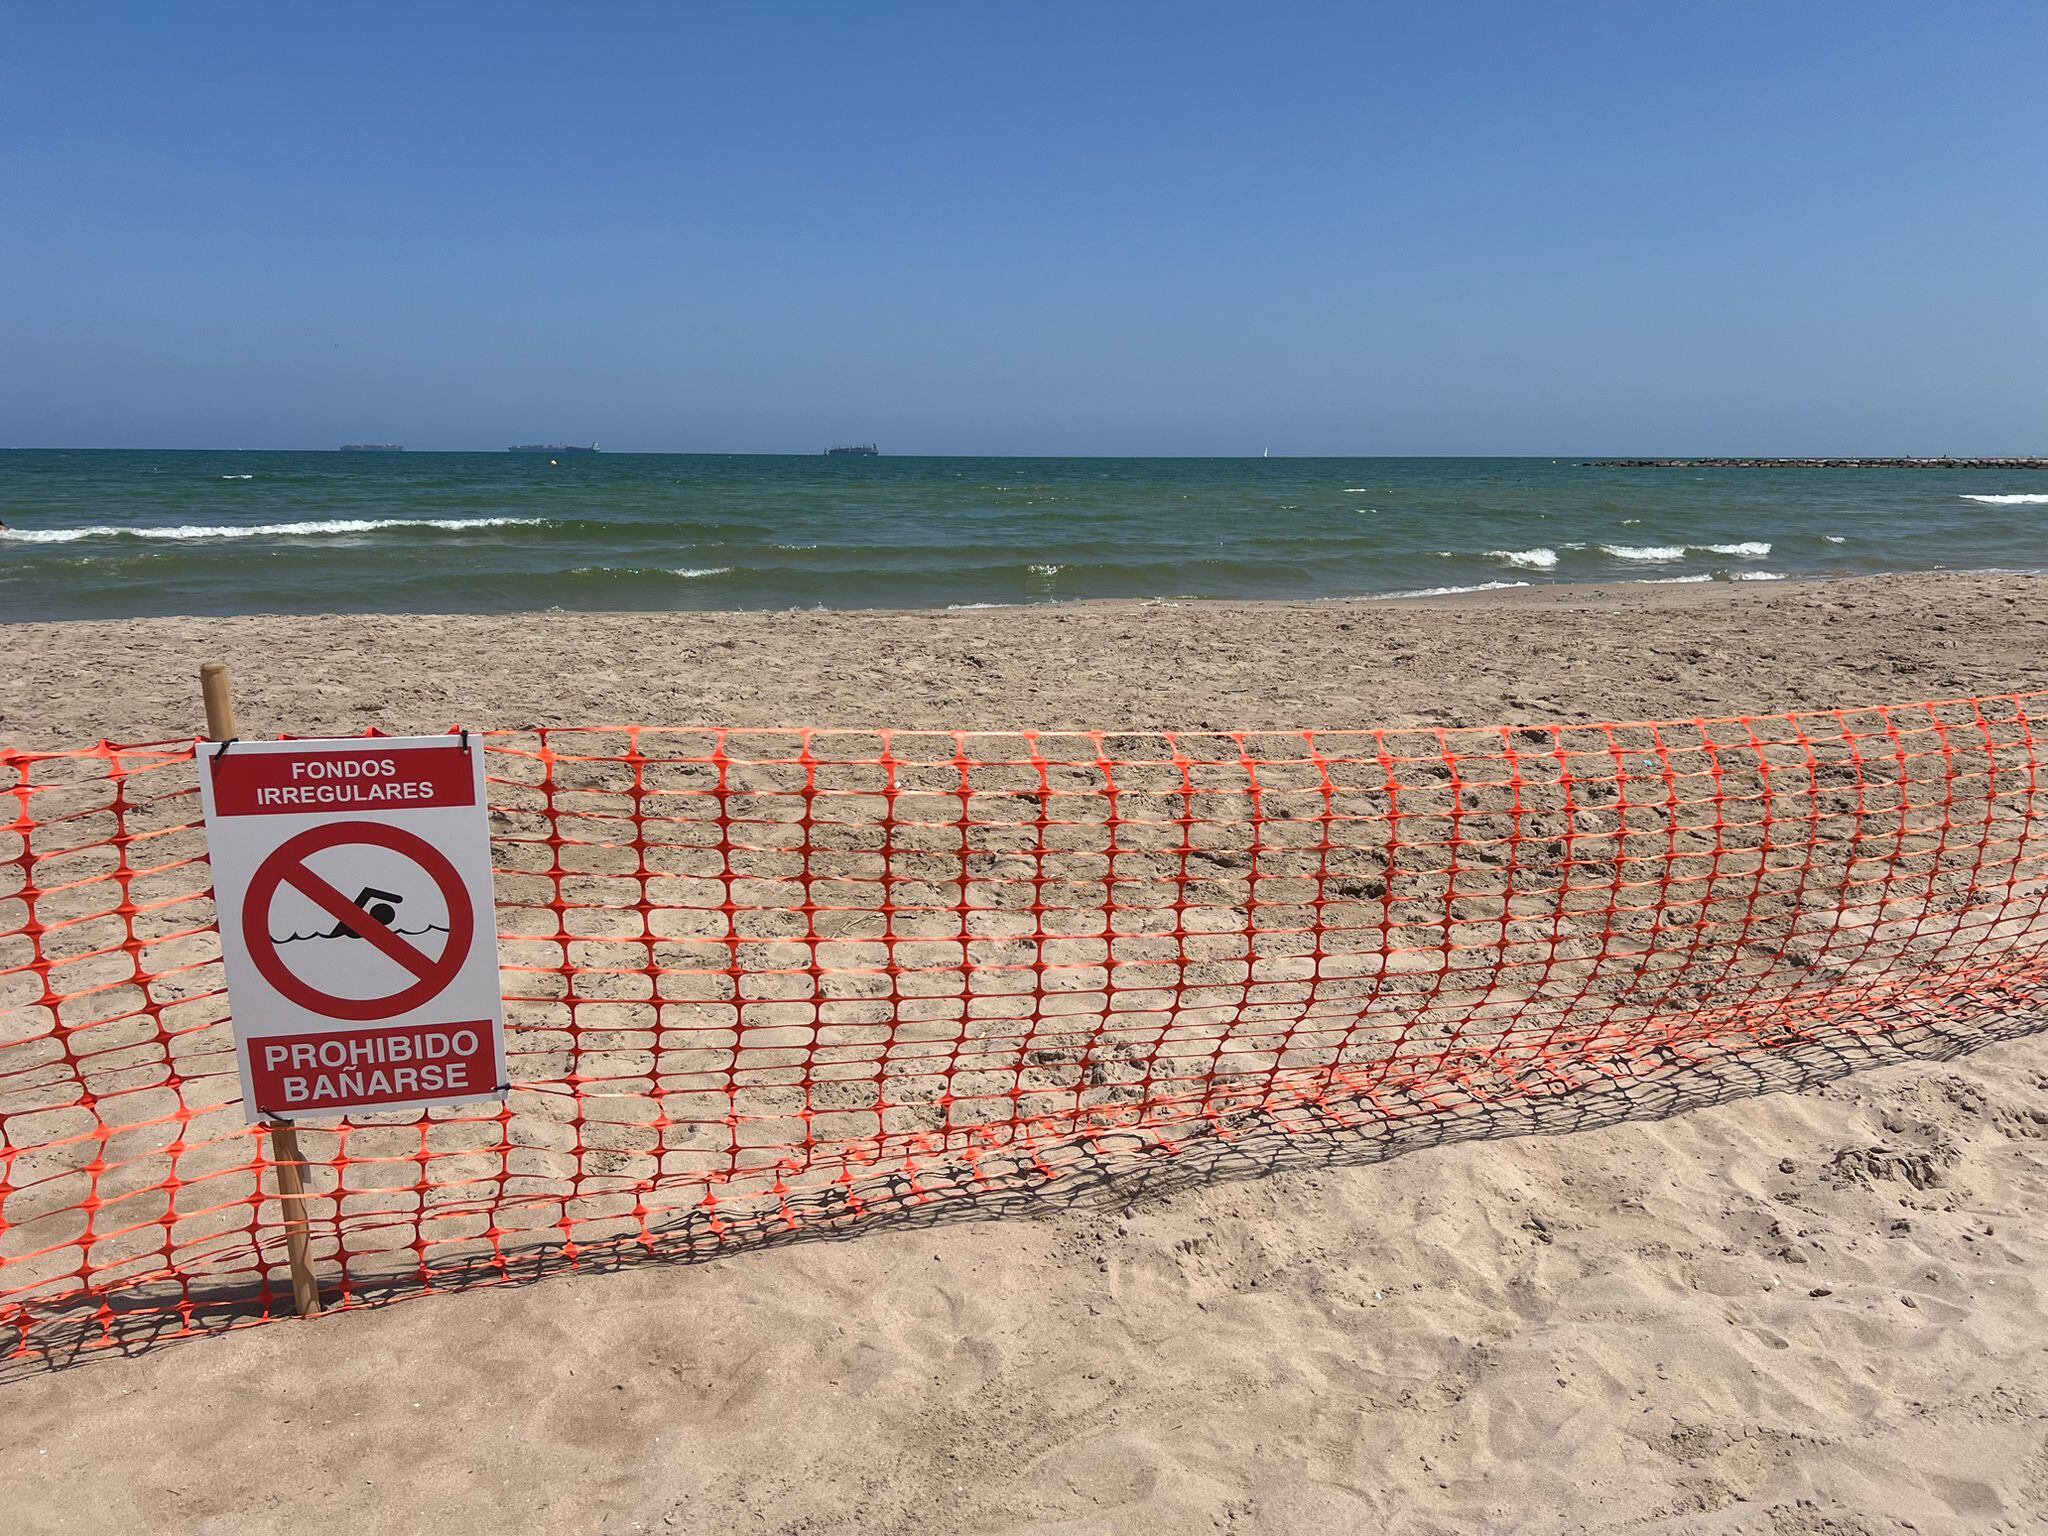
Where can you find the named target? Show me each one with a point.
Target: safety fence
(767, 981)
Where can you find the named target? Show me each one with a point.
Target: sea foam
(2017, 499)
(1525, 559)
(1754, 549)
(336, 525)
(1484, 586)
(1644, 551)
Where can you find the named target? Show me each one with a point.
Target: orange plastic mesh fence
(761, 981)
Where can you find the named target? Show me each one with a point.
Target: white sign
(353, 884)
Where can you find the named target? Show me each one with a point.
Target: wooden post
(284, 1138)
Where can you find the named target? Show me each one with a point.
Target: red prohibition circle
(286, 864)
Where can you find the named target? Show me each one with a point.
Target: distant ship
(373, 447)
(853, 451)
(551, 448)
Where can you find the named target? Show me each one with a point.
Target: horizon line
(819, 453)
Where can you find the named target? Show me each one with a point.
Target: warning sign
(353, 882)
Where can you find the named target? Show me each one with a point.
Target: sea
(119, 533)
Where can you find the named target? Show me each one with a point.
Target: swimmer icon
(378, 906)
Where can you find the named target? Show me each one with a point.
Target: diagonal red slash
(356, 920)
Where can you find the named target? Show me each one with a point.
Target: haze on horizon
(1063, 229)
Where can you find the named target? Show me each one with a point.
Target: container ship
(853, 451)
(556, 448)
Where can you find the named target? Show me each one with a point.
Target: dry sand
(1814, 1310)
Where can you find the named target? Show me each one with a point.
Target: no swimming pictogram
(287, 866)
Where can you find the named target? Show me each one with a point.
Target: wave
(1525, 559)
(1754, 549)
(336, 525)
(633, 572)
(1484, 586)
(1758, 576)
(2016, 499)
(1834, 538)
(692, 572)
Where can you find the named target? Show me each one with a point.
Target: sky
(1049, 228)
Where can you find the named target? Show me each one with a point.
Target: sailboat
(1267, 454)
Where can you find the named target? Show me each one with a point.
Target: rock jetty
(1814, 464)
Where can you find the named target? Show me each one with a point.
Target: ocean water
(111, 534)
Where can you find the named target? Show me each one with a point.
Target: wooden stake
(284, 1138)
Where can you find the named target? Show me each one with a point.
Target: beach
(1791, 1297)
(849, 772)
(1624, 651)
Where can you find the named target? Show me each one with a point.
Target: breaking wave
(1754, 549)
(337, 525)
(2017, 499)
(1484, 586)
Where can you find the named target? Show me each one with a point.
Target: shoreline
(1537, 654)
(1714, 588)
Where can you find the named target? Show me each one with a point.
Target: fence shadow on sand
(1109, 1172)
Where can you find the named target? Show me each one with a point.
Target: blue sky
(1029, 228)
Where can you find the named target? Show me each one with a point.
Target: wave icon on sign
(379, 906)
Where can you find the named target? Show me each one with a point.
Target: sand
(1808, 1301)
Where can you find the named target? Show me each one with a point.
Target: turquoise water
(103, 534)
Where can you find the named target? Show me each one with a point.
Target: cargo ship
(372, 448)
(853, 451)
(552, 448)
